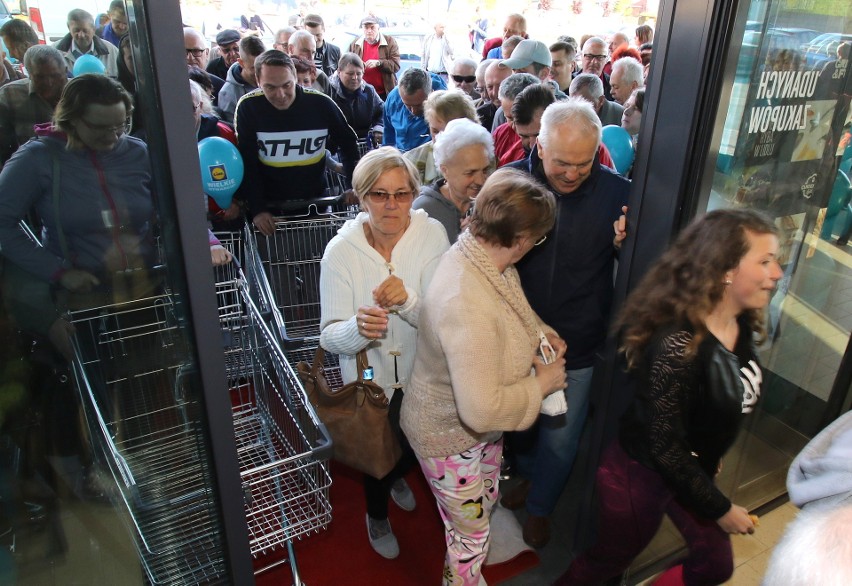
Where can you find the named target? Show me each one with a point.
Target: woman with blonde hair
(687, 332)
(478, 372)
(439, 109)
(373, 275)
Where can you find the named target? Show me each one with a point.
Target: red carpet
(341, 555)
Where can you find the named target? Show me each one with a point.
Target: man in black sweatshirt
(283, 134)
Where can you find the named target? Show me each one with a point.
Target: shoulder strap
(63, 243)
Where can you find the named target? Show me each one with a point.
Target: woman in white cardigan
(373, 275)
(477, 372)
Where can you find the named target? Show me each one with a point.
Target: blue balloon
(620, 146)
(88, 64)
(221, 169)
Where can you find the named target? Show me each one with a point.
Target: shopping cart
(283, 448)
(131, 365)
(290, 261)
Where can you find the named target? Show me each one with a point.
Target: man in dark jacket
(327, 55)
(568, 281)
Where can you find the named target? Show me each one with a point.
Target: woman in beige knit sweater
(477, 370)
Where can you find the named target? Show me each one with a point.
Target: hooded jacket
(235, 88)
(105, 206)
(569, 278)
(351, 269)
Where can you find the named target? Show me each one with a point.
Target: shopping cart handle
(287, 342)
(309, 206)
(324, 448)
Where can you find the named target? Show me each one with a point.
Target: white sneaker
(402, 495)
(382, 539)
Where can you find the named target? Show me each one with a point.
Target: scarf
(507, 285)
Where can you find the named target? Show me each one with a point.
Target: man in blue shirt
(405, 126)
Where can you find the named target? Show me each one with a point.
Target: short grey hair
(576, 112)
(458, 134)
(511, 42)
(483, 65)
(816, 549)
(631, 70)
(588, 84)
(466, 62)
(38, 55)
(301, 34)
(199, 96)
(415, 79)
(515, 84)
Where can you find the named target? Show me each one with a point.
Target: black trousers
(377, 490)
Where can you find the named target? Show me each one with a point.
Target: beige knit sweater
(475, 346)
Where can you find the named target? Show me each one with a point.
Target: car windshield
(410, 46)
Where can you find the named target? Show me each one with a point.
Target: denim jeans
(546, 452)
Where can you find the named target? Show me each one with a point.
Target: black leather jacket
(687, 412)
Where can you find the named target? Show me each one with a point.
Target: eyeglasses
(540, 241)
(120, 129)
(464, 78)
(196, 52)
(590, 57)
(384, 196)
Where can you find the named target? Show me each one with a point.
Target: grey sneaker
(402, 495)
(382, 539)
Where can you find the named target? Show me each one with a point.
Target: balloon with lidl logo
(87, 64)
(221, 169)
(620, 146)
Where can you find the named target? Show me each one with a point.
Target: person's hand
(620, 228)
(736, 520)
(220, 255)
(377, 137)
(371, 63)
(390, 293)
(59, 334)
(232, 213)
(265, 223)
(78, 281)
(558, 344)
(551, 377)
(349, 198)
(372, 321)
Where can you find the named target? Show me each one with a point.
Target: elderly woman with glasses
(484, 364)
(373, 275)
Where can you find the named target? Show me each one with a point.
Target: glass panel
(106, 476)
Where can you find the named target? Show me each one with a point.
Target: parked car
(800, 35)
(823, 48)
(49, 18)
(410, 43)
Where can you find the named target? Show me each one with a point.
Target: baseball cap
(528, 51)
(369, 19)
(314, 20)
(227, 36)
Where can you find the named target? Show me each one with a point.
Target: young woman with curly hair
(688, 334)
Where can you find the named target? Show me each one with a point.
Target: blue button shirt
(403, 130)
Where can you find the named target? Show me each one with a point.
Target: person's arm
(391, 63)
(339, 332)
(8, 137)
(250, 190)
(343, 139)
(389, 135)
(431, 250)
(424, 51)
(672, 378)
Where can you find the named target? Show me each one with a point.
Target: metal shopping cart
(283, 448)
(290, 262)
(131, 365)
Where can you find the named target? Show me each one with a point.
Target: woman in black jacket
(687, 333)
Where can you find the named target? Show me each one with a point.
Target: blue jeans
(552, 445)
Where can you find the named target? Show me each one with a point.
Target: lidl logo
(218, 173)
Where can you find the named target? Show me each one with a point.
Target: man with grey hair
(589, 87)
(616, 41)
(405, 126)
(594, 57)
(627, 75)
(282, 38)
(81, 40)
(27, 102)
(815, 550)
(507, 144)
(568, 282)
(303, 44)
(463, 74)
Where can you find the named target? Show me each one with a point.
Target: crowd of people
(478, 275)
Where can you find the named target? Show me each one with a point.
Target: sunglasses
(464, 78)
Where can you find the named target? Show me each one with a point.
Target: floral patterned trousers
(466, 487)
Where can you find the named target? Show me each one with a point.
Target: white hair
(631, 71)
(574, 112)
(297, 37)
(199, 96)
(460, 133)
(816, 549)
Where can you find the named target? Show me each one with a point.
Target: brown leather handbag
(356, 416)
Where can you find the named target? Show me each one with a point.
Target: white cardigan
(351, 269)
